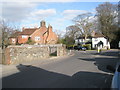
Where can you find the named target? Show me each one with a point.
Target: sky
(58, 13)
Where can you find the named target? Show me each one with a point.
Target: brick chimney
(42, 23)
(49, 28)
(93, 33)
(23, 28)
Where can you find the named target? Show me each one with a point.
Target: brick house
(41, 35)
(14, 38)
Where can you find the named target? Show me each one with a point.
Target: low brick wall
(16, 54)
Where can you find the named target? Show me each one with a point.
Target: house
(81, 40)
(41, 35)
(95, 40)
(98, 38)
(14, 37)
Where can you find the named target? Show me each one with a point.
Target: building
(95, 39)
(98, 38)
(41, 35)
(14, 37)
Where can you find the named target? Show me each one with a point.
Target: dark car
(79, 48)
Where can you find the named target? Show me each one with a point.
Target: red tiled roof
(14, 35)
(28, 31)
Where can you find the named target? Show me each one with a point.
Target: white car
(116, 78)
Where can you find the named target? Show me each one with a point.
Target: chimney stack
(23, 28)
(42, 23)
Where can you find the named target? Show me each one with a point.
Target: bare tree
(107, 19)
(5, 31)
(84, 24)
(73, 31)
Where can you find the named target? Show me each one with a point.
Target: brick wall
(22, 40)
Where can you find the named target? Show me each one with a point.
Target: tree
(6, 30)
(84, 24)
(107, 20)
(68, 40)
(73, 31)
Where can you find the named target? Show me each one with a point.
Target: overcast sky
(26, 13)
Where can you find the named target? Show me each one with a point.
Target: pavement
(10, 69)
(83, 69)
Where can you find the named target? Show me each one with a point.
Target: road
(84, 69)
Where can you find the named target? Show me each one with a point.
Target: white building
(98, 37)
(95, 39)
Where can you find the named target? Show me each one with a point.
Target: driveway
(84, 69)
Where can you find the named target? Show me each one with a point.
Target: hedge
(88, 46)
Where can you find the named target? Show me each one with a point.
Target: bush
(70, 46)
(31, 42)
(88, 46)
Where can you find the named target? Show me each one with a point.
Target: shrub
(31, 42)
(88, 46)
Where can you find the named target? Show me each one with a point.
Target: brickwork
(22, 40)
(45, 35)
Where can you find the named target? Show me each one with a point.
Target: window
(24, 36)
(13, 40)
(37, 38)
(96, 39)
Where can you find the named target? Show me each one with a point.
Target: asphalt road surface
(84, 69)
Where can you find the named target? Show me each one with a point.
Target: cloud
(41, 1)
(42, 13)
(30, 25)
(60, 1)
(70, 14)
(74, 11)
(15, 11)
(24, 11)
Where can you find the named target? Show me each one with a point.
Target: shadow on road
(102, 60)
(34, 77)
(108, 53)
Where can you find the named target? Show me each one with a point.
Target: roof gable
(14, 35)
(96, 35)
(28, 31)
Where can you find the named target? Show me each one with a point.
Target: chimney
(49, 28)
(23, 28)
(42, 23)
(93, 33)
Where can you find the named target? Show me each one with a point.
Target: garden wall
(16, 54)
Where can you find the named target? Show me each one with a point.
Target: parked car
(116, 78)
(79, 48)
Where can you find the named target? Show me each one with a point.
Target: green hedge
(88, 46)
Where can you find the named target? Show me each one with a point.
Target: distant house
(81, 40)
(41, 35)
(95, 39)
(14, 37)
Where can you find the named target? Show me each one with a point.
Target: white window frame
(24, 36)
(96, 39)
(13, 40)
(37, 38)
